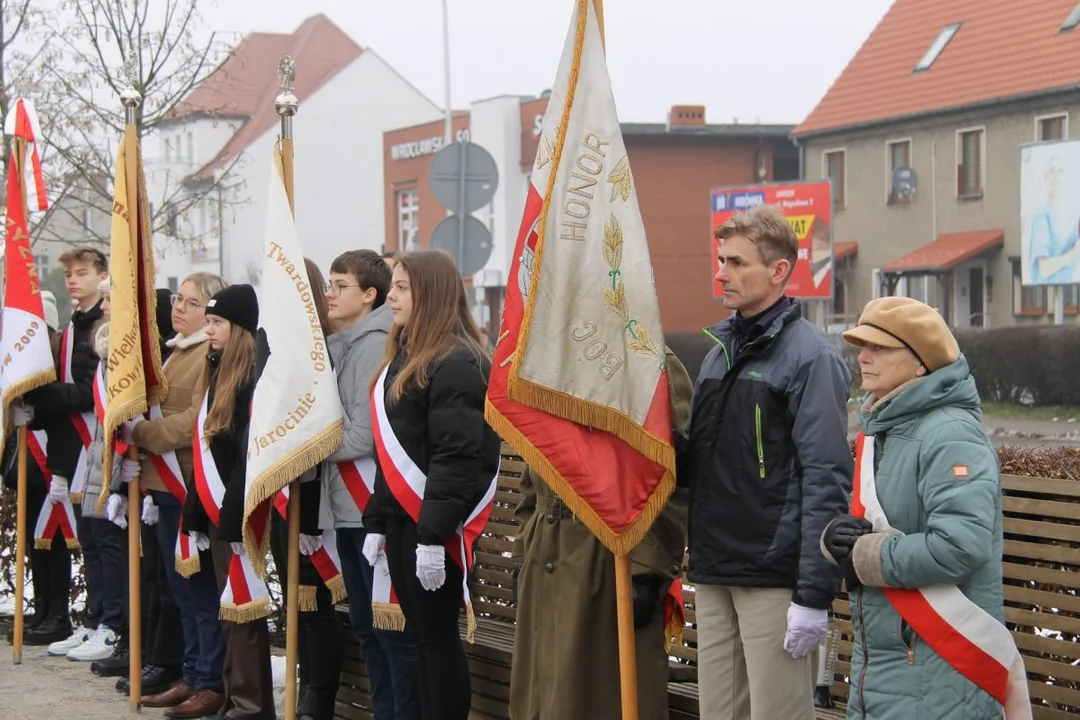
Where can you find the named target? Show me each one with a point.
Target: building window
(87, 218)
(1072, 20)
(191, 147)
(971, 162)
(174, 283)
(1072, 298)
(898, 155)
(168, 149)
(938, 45)
(408, 203)
(42, 263)
(1029, 300)
(1051, 127)
(834, 169)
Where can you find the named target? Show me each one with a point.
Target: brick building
(675, 163)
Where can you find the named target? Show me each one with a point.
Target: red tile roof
(1004, 48)
(948, 251)
(842, 250)
(246, 84)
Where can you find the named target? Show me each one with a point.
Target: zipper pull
(910, 656)
(761, 468)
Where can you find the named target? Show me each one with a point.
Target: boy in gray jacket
(359, 282)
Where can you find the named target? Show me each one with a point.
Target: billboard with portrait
(1050, 213)
(808, 209)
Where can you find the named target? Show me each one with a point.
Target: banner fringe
(594, 415)
(277, 476)
(24, 385)
(76, 498)
(387, 616)
(248, 612)
(156, 393)
(620, 543)
(72, 543)
(336, 586)
(186, 567)
(470, 624)
(673, 633)
(306, 599)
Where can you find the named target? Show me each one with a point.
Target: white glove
(382, 566)
(201, 540)
(431, 566)
(150, 512)
(310, 544)
(58, 489)
(116, 510)
(806, 628)
(129, 469)
(237, 548)
(128, 428)
(373, 545)
(21, 413)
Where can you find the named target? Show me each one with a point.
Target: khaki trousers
(744, 673)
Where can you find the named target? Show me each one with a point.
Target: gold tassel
(673, 633)
(306, 599)
(387, 616)
(43, 544)
(336, 586)
(270, 483)
(470, 624)
(73, 543)
(186, 567)
(248, 612)
(76, 498)
(620, 544)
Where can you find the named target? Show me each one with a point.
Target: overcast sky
(764, 59)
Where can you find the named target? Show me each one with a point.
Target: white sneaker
(100, 646)
(60, 648)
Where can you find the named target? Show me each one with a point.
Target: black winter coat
(229, 451)
(442, 428)
(55, 402)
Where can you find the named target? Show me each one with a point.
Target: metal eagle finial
(286, 101)
(130, 97)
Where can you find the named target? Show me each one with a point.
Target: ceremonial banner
(134, 377)
(296, 415)
(579, 384)
(27, 360)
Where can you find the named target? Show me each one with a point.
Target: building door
(977, 294)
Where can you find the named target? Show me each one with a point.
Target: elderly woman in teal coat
(921, 549)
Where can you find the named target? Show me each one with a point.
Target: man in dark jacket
(768, 465)
(64, 410)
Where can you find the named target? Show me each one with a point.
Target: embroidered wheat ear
(621, 184)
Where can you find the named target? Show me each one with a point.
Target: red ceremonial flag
(24, 342)
(579, 383)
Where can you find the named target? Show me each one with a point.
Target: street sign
(463, 177)
(469, 242)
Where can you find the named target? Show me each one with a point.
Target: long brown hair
(235, 369)
(440, 320)
(318, 294)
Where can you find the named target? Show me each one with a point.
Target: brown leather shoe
(201, 704)
(177, 693)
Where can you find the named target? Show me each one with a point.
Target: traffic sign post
(463, 177)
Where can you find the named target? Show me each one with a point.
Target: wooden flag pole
(286, 104)
(624, 592)
(131, 100)
(19, 149)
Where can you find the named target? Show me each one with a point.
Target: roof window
(938, 45)
(1072, 21)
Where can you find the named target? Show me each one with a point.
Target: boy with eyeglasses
(356, 293)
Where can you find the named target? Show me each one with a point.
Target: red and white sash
(359, 479)
(967, 637)
(172, 477)
(407, 482)
(246, 597)
(83, 422)
(53, 516)
(326, 560)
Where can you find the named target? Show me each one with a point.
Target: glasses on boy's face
(336, 288)
(188, 303)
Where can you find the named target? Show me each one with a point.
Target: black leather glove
(841, 534)
(646, 597)
(851, 578)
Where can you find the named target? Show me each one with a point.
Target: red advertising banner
(808, 208)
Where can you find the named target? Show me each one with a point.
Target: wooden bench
(1041, 563)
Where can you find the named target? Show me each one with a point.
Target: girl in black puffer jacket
(428, 409)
